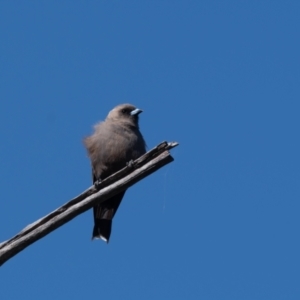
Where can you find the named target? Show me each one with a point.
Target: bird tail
(102, 229)
(103, 215)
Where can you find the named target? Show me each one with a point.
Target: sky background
(220, 77)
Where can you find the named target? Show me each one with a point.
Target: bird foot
(97, 183)
(130, 164)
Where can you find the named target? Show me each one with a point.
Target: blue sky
(221, 78)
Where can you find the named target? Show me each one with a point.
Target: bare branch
(123, 179)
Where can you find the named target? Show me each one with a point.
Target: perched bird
(115, 142)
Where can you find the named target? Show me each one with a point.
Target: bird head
(125, 113)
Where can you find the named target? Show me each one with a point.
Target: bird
(116, 141)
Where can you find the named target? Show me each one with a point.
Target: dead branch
(123, 179)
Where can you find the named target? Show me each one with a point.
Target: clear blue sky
(220, 77)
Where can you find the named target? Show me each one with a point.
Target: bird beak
(136, 112)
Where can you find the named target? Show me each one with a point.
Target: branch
(123, 179)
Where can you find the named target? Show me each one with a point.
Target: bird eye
(124, 111)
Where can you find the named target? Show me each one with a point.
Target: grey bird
(115, 142)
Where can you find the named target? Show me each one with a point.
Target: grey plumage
(115, 142)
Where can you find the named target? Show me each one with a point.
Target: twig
(123, 179)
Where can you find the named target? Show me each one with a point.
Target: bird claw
(97, 183)
(130, 164)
